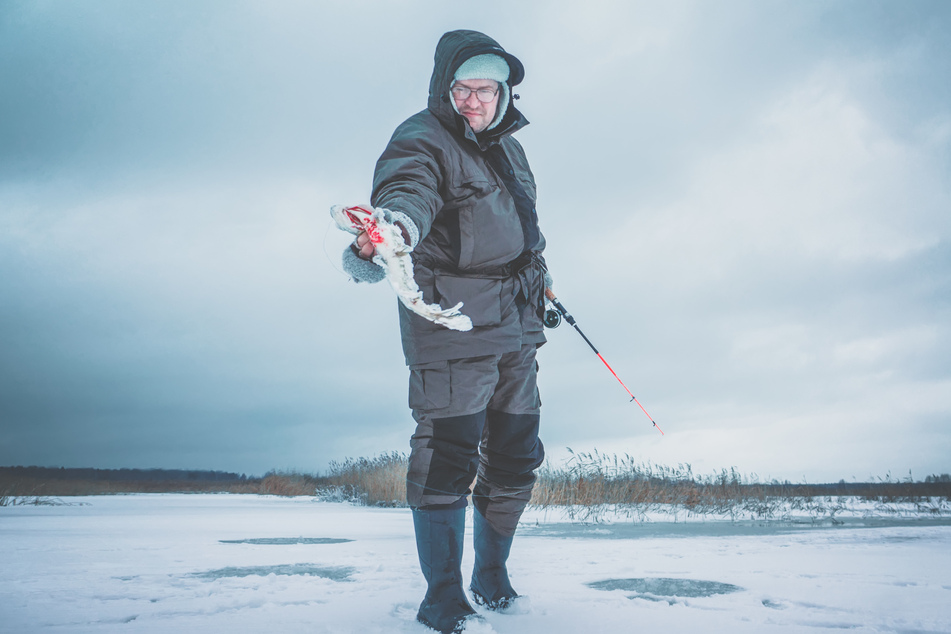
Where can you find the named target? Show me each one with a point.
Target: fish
(393, 254)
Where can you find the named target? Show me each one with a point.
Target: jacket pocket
(481, 298)
(429, 385)
(467, 189)
(528, 186)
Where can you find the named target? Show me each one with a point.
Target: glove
(359, 269)
(349, 219)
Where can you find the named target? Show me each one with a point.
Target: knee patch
(446, 466)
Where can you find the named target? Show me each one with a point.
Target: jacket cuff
(405, 222)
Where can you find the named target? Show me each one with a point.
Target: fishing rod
(552, 323)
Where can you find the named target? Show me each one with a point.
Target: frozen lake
(234, 563)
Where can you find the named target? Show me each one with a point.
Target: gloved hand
(358, 257)
(359, 269)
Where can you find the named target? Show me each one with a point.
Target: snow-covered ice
(234, 563)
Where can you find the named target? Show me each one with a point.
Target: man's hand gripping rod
(571, 320)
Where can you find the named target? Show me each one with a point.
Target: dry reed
(379, 481)
(588, 485)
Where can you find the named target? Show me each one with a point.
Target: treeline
(120, 475)
(930, 486)
(46, 481)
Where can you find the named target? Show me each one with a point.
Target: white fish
(393, 254)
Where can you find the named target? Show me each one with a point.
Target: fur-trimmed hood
(454, 48)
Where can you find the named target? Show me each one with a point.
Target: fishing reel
(552, 318)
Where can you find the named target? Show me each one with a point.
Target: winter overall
(473, 394)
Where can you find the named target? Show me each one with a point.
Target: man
(457, 183)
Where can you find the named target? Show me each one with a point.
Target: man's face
(480, 115)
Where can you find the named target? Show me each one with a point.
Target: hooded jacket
(472, 197)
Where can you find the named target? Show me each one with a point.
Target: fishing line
(333, 263)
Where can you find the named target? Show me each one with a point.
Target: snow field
(216, 563)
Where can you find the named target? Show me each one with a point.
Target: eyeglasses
(485, 95)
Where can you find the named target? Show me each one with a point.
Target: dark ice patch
(720, 528)
(662, 587)
(286, 541)
(334, 573)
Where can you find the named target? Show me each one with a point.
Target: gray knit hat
(487, 66)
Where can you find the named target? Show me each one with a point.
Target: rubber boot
(439, 539)
(490, 579)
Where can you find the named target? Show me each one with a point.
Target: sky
(747, 208)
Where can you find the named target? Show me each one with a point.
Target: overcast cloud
(748, 209)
